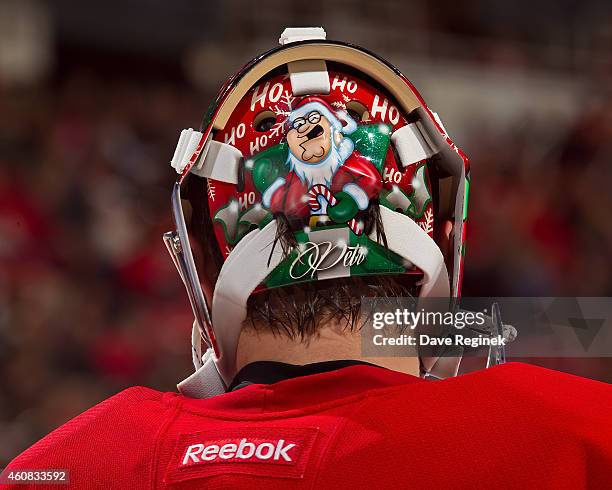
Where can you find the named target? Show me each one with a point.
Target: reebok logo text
(273, 452)
(238, 450)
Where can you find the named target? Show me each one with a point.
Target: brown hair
(298, 311)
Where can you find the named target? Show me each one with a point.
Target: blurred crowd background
(93, 96)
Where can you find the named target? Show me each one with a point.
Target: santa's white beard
(323, 172)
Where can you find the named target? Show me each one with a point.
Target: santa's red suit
(290, 197)
(359, 426)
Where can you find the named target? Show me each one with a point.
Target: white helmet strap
(256, 256)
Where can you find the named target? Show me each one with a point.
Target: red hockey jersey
(511, 426)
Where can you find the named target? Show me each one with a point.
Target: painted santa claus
(324, 177)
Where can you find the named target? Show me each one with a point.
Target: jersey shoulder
(517, 382)
(495, 426)
(527, 393)
(114, 440)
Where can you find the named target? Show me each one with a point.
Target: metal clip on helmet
(315, 132)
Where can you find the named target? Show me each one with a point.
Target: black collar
(269, 372)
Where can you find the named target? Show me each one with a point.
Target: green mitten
(268, 166)
(344, 210)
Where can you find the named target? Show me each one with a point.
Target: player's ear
(446, 234)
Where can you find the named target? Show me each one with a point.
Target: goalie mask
(332, 143)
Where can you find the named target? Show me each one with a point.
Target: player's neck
(329, 344)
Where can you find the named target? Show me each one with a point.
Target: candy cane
(356, 226)
(322, 190)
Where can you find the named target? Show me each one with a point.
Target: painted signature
(323, 256)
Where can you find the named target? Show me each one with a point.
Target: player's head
(319, 175)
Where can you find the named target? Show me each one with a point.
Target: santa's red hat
(313, 99)
(340, 120)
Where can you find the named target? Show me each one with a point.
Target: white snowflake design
(283, 110)
(427, 225)
(211, 190)
(285, 106)
(276, 129)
